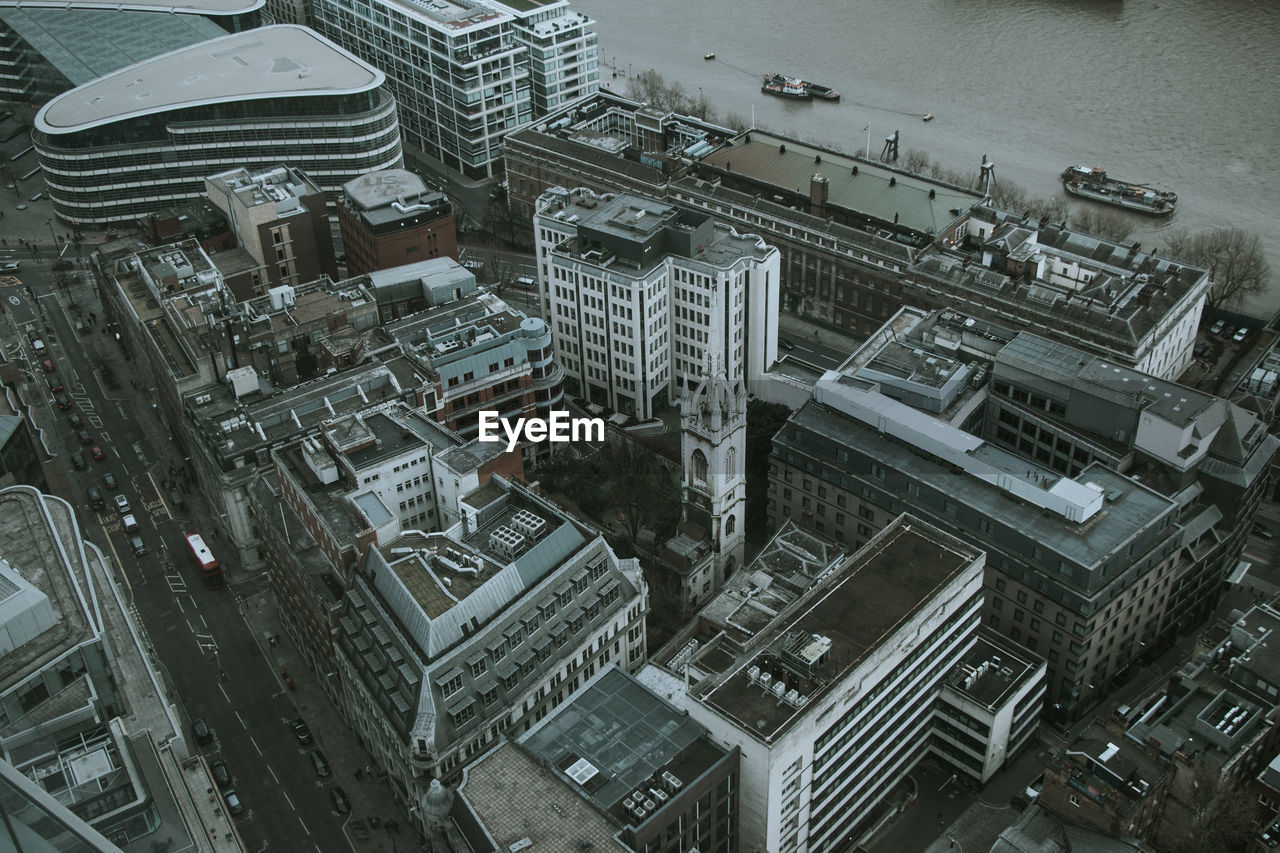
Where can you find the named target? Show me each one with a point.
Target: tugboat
(1092, 182)
(793, 87)
(785, 87)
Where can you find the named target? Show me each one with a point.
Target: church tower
(713, 448)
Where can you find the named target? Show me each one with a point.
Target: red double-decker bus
(210, 571)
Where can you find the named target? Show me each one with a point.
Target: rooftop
(992, 669)
(834, 626)
(614, 736)
(381, 188)
(368, 439)
(85, 41)
(453, 16)
(1127, 509)
(516, 801)
(1104, 761)
(177, 7)
(278, 61)
(875, 189)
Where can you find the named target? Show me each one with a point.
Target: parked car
(122, 503)
(1217, 327)
(201, 730)
(97, 453)
(75, 420)
(139, 547)
(83, 435)
(1201, 349)
(221, 775)
(319, 762)
(130, 523)
(11, 266)
(234, 806)
(301, 731)
(1241, 334)
(95, 498)
(77, 459)
(109, 480)
(341, 804)
(62, 401)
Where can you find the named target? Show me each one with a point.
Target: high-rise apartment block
(390, 218)
(466, 72)
(1111, 503)
(645, 300)
(280, 218)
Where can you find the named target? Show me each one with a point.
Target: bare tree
(916, 161)
(1234, 258)
(1051, 209)
(733, 121)
(1105, 223)
(1212, 814)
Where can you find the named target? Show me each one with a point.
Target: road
(200, 636)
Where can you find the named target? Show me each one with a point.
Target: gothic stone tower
(713, 445)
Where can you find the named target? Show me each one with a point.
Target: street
(198, 637)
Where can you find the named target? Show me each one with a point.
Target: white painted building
(826, 671)
(564, 65)
(645, 300)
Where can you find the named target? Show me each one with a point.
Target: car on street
(301, 731)
(97, 453)
(1217, 327)
(320, 763)
(33, 334)
(62, 401)
(75, 420)
(201, 730)
(1261, 530)
(130, 523)
(11, 266)
(1201, 349)
(341, 804)
(139, 547)
(47, 365)
(785, 344)
(95, 498)
(77, 459)
(84, 436)
(1241, 334)
(221, 775)
(122, 504)
(233, 801)
(109, 480)
(55, 384)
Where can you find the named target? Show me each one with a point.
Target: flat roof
(284, 60)
(879, 191)
(379, 189)
(84, 44)
(870, 598)
(175, 7)
(623, 734)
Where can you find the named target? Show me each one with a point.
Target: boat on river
(1095, 184)
(793, 87)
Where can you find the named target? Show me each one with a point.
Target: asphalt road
(200, 637)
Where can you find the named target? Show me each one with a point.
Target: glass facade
(121, 170)
(33, 822)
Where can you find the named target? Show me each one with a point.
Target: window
(452, 686)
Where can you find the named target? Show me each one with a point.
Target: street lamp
(49, 222)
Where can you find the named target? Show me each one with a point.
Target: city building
(390, 218)
(21, 458)
(466, 72)
(645, 300)
(197, 219)
(131, 142)
(48, 48)
(331, 491)
(645, 763)
(85, 718)
(280, 219)
(834, 674)
(1107, 533)
(860, 238)
(711, 540)
(446, 641)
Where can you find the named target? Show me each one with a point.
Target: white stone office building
(828, 671)
(465, 73)
(447, 641)
(645, 300)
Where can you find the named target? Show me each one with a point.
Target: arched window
(698, 468)
(730, 461)
(730, 522)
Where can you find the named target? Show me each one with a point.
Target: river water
(1179, 93)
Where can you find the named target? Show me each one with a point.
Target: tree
(1105, 223)
(916, 161)
(1212, 813)
(1235, 261)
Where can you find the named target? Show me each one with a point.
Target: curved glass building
(146, 136)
